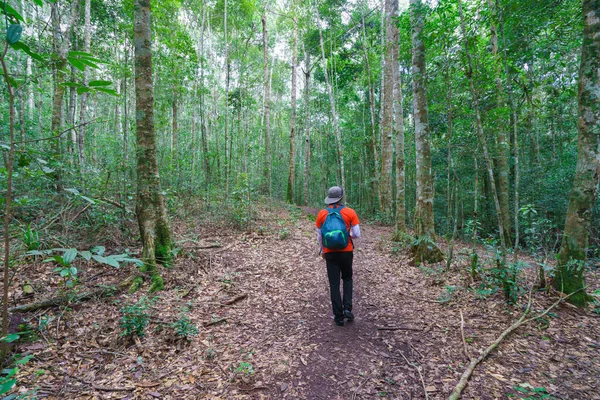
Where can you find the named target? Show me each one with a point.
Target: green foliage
(242, 202)
(447, 294)
(245, 368)
(532, 392)
(31, 238)
(8, 376)
(136, 317)
(184, 328)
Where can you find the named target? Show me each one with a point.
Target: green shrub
(184, 328)
(135, 317)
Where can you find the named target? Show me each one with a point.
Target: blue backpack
(334, 231)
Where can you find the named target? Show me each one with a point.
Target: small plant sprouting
(185, 328)
(245, 368)
(135, 317)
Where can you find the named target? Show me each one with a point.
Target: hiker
(336, 226)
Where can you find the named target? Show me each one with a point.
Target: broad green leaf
(72, 84)
(7, 385)
(73, 271)
(38, 252)
(39, 2)
(99, 83)
(11, 12)
(81, 90)
(109, 91)
(22, 46)
(98, 250)
(13, 33)
(69, 256)
(75, 53)
(24, 360)
(11, 337)
(64, 272)
(88, 199)
(87, 255)
(76, 63)
(106, 260)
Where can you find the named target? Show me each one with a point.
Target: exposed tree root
(105, 291)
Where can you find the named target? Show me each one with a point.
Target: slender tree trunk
(374, 175)
(391, 64)
(7, 203)
(226, 117)
(570, 271)
(424, 207)
(306, 124)
(125, 119)
(60, 47)
(480, 132)
(267, 110)
(83, 99)
(292, 173)
(334, 114)
(501, 139)
(399, 130)
(150, 208)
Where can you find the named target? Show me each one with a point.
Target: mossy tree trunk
(150, 208)
(570, 271)
(391, 57)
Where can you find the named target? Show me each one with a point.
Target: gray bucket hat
(334, 194)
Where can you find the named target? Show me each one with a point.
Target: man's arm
(320, 240)
(355, 231)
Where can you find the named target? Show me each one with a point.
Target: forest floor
(277, 338)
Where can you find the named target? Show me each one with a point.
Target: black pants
(340, 263)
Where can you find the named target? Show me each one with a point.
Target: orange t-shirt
(350, 218)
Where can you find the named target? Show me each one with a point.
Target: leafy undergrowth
(246, 314)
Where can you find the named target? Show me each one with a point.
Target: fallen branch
(397, 328)
(218, 321)
(66, 299)
(235, 300)
(462, 334)
(420, 375)
(464, 379)
(113, 389)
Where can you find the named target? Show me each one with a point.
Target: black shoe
(339, 322)
(348, 315)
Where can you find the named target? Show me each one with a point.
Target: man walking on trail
(336, 226)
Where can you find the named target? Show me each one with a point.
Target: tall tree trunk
(334, 115)
(374, 175)
(266, 185)
(226, 117)
(292, 173)
(480, 132)
(391, 64)
(203, 132)
(503, 147)
(83, 99)
(60, 47)
(400, 167)
(125, 118)
(150, 208)
(424, 206)
(570, 271)
(306, 124)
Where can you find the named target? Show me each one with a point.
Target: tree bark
(424, 205)
(334, 115)
(399, 132)
(266, 186)
(306, 124)
(374, 176)
(388, 131)
(480, 133)
(83, 99)
(503, 147)
(292, 171)
(570, 271)
(150, 208)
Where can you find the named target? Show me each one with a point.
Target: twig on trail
(464, 379)
(419, 372)
(462, 334)
(397, 328)
(98, 387)
(235, 300)
(359, 386)
(218, 321)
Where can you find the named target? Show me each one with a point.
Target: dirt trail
(279, 340)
